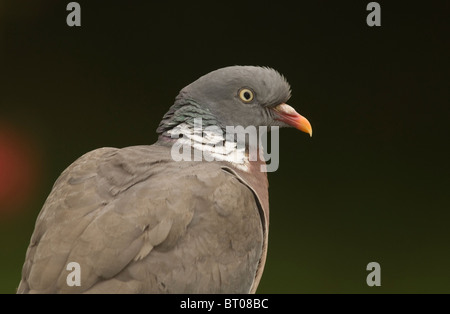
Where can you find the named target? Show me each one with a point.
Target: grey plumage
(214, 97)
(136, 221)
(114, 212)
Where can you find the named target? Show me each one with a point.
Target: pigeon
(142, 220)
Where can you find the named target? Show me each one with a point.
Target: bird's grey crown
(271, 86)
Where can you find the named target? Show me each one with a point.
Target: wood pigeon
(135, 220)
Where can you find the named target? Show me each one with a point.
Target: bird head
(237, 95)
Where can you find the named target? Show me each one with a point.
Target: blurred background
(372, 184)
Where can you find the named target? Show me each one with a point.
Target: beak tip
(305, 126)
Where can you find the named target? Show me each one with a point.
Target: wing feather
(136, 221)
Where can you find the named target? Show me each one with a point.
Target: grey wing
(136, 222)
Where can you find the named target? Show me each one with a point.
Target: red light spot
(18, 169)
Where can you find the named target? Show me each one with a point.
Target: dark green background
(373, 182)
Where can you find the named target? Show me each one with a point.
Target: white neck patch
(211, 142)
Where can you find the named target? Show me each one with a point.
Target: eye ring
(246, 95)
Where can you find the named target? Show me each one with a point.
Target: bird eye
(246, 95)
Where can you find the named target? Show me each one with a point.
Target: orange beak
(288, 115)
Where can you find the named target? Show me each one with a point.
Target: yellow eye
(246, 95)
